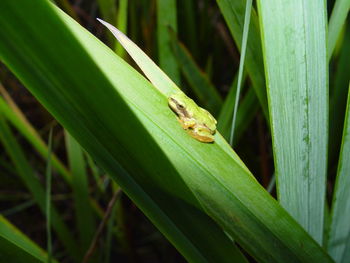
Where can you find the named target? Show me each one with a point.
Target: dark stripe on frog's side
(181, 109)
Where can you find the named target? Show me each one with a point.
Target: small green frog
(199, 123)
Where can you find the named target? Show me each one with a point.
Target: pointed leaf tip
(158, 78)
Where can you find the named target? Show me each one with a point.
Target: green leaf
(166, 17)
(48, 199)
(339, 237)
(16, 247)
(128, 128)
(336, 22)
(337, 104)
(245, 114)
(248, 11)
(233, 12)
(122, 23)
(108, 10)
(294, 41)
(84, 213)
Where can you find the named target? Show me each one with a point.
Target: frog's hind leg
(198, 134)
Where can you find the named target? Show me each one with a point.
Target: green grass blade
(122, 23)
(14, 115)
(205, 91)
(95, 171)
(233, 12)
(338, 97)
(16, 247)
(84, 214)
(294, 40)
(126, 124)
(167, 18)
(248, 11)
(339, 237)
(246, 112)
(336, 22)
(18, 208)
(108, 10)
(30, 180)
(188, 11)
(158, 78)
(48, 199)
(245, 115)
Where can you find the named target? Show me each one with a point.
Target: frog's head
(177, 102)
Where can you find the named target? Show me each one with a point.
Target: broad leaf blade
(294, 40)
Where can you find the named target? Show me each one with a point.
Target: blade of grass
(294, 41)
(233, 12)
(245, 115)
(338, 98)
(241, 65)
(95, 172)
(13, 114)
(18, 208)
(48, 199)
(84, 214)
(26, 173)
(205, 91)
(16, 247)
(339, 236)
(167, 17)
(336, 22)
(188, 11)
(108, 10)
(122, 23)
(158, 78)
(138, 140)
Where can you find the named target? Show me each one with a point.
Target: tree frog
(199, 123)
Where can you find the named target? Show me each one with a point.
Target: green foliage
(294, 43)
(121, 145)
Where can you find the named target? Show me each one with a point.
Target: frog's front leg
(186, 123)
